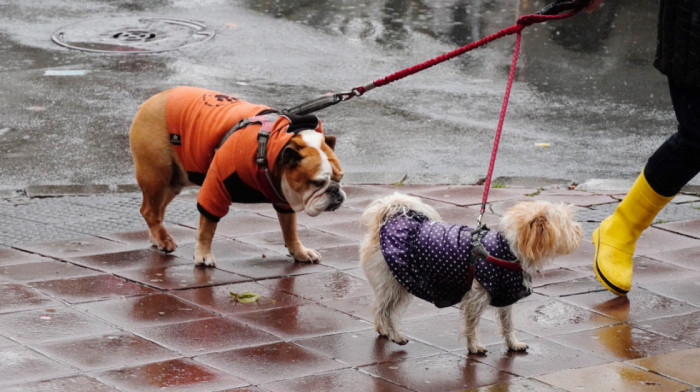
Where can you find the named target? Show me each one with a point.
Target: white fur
(545, 229)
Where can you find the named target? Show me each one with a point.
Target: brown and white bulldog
(237, 152)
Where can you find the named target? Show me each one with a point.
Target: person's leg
(677, 161)
(671, 166)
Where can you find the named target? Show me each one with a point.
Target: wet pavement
(88, 306)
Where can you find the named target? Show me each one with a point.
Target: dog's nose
(337, 195)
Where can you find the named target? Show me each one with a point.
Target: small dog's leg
(388, 309)
(473, 306)
(505, 317)
(390, 298)
(288, 223)
(202, 249)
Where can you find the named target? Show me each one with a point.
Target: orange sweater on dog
(197, 121)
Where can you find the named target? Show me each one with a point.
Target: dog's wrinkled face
(311, 173)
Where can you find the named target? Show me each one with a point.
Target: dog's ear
(537, 238)
(290, 156)
(330, 141)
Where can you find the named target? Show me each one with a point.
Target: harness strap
(479, 252)
(263, 174)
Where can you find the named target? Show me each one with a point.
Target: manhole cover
(131, 35)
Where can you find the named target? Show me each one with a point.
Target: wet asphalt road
(585, 87)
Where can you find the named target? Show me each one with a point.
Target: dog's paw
(477, 349)
(395, 337)
(518, 346)
(165, 244)
(305, 255)
(204, 260)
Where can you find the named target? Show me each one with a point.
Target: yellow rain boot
(617, 235)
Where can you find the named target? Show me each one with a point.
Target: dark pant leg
(677, 160)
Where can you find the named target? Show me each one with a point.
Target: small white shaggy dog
(409, 250)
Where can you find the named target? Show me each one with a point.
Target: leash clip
(478, 250)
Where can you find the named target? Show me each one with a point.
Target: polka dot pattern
(430, 259)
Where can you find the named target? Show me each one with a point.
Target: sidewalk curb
(592, 185)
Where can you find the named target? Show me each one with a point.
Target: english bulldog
(237, 152)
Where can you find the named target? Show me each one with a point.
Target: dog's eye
(318, 183)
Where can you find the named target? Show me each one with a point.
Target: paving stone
(471, 195)
(9, 256)
(361, 307)
(296, 322)
(611, 377)
(681, 365)
(18, 297)
(132, 259)
(153, 309)
(620, 342)
(639, 305)
(18, 232)
(444, 372)
(685, 289)
(650, 271)
(311, 238)
(321, 287)
(549, 316)
(181, 277)
(256, 263)
(522, 385)
(75, 248)
(542, 357)
(91, 288)
(44, 325)
(78, 383)
(445, 332)
(685, 257)
(206, 335)
(177, 374)
(684, 328)
(365, 348)
(44, 270)
(271, 362)
(341, 257)
(347, 380)
(21, 365)
(112, 350)
(687, 227)
(218, 299)
(139, 239)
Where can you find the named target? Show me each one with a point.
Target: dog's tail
(381, 210)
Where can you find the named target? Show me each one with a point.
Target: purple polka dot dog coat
(431, 260)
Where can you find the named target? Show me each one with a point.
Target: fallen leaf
(245, 297)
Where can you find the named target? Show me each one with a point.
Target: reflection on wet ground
(103, 311)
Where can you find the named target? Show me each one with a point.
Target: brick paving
(88, 306)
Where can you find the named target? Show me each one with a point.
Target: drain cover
(131, 35)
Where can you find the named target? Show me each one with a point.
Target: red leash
(573, 5)
(522, 22)
(518, 27)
